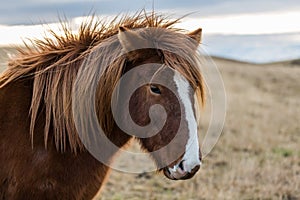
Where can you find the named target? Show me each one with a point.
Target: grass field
(258, 153)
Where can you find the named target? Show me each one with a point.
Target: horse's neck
(15, 101)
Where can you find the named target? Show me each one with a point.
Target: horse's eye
(155, 89)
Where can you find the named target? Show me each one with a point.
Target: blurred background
(256, 46)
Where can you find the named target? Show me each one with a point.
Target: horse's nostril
(181, 165)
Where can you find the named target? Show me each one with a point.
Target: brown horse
(45, 141)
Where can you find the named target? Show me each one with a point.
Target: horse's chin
(177, 176)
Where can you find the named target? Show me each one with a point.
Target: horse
(45, 154)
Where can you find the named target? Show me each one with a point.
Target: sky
(256, 30)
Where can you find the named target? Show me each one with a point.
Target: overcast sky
(16, 12)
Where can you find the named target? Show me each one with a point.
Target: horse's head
(173, 82)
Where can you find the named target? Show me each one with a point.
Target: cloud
(35, 11)
(253, 24)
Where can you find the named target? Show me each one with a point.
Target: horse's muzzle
(178, 173)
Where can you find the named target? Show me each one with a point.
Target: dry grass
(258, 154)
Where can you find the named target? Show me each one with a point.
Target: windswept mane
(53, 63)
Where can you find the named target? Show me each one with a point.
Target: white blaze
(191, 156)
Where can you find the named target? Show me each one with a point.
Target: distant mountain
(296, 62)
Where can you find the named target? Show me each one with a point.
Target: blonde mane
(53, 63)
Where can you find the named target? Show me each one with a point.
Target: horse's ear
(196, 35)
(130, 40)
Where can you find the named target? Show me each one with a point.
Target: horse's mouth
(179, 175)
